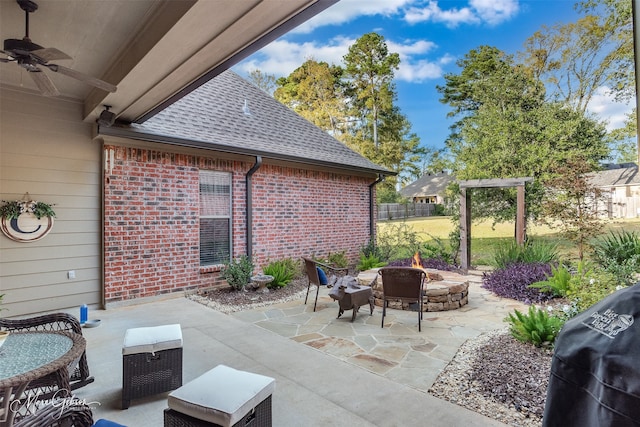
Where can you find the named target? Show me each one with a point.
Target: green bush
(619, 254)
(557, 284)
(537, 327)
(589, 285)
(369, 262)
(532, 251)
(283, 271)
(439, 210)
(398, 240)
(436, 249)
(338, 259)
(238, 272)
(371, 249)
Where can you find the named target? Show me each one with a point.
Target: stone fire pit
(445, 290)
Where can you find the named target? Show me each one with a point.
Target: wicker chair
(53, 322)
(60, 413)
(311, 268)
(404, 284)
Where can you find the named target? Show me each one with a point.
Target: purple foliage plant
(513, 282)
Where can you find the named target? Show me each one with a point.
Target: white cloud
(416, 72)
(432, 12)
(412, 70)
(495, 12)
(603, 105)
(347, 10)
(281, 57)
(492, 12)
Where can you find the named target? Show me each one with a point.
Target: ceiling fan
(33, 58)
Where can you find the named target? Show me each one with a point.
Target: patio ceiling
(155, 51)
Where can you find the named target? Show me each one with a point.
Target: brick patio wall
(151, 235)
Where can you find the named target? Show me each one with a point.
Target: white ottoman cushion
(221, 396)
(152, 339)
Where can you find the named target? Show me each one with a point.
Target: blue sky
(430, 36)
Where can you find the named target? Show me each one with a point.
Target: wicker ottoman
(151, 361)
(222, 397)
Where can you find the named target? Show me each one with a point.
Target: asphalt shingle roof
(616, 177)
(427, 185)
(212, 117)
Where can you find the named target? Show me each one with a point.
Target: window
(215, 217)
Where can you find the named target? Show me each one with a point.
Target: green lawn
(484, 237)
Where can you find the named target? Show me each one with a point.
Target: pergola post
(465, 229)
(465, 211)
(520, 217)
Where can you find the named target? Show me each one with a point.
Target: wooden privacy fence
(387, 211)
(623, 207)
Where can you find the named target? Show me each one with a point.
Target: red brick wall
(151, 219)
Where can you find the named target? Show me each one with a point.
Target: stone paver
(398, 351)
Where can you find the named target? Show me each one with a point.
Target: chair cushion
(106, 423)
(152, 339)
(322, 276)
(222, 395)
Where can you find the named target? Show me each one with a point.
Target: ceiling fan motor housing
(20, 46)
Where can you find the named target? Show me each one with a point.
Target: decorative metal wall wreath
(26, 220)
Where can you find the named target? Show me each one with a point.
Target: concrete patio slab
(314, 386)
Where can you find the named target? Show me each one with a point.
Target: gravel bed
(493, 374)
(228, 300)
(499, 377)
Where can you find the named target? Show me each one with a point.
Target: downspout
(371, 207)
(249, 194)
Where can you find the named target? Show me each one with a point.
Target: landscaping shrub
(371, 249)
(369, 262)
(589, 285)
(513, 281)
(537, 327)
(338, 259)
(398, 240)
(557, 284)
(435, 249)
(619, 254)
(283, 271)
(532, 251)
(435, 263)
(238, 272)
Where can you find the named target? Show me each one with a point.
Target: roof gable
(427, 185)
(213, 117)
(616, 177)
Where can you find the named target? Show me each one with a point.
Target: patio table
(26, 357)
(354, 298)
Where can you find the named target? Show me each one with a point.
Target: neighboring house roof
(213, 117)
(627, 174)
(427, 185)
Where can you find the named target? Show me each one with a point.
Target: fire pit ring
(444, 290)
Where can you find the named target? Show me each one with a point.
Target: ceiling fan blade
(44, 83)
(82, 77)
(49, 54)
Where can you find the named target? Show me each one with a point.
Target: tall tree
(571, 201)
(316, 92)
(575, 59)
(506, 129)
(371, 67)
(266, 82)
(616, 21)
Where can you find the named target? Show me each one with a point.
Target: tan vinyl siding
(47, 150)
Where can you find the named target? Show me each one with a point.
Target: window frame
(228, 216)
